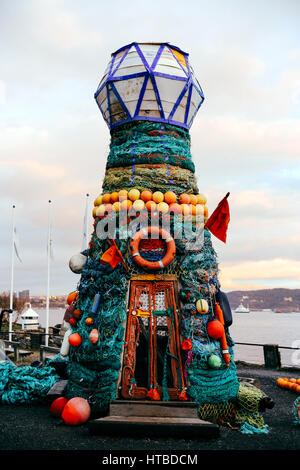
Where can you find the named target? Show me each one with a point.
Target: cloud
(2, 92)
(250, 273)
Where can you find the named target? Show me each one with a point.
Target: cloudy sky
(246, 138)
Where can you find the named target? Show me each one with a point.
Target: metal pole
(85, 226)
(11, 299)
(48, 274)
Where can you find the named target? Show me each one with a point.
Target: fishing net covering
(155, 156)
(25, 384)
(150, 142)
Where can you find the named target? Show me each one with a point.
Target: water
(254, 327)
(266, 328)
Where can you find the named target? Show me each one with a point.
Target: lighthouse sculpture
(148, 320)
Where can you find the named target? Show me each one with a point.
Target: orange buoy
(170, 197)
(71, 297)
(106, 198)
(76, 411)
(151, 206)
(74, 340)
(223, 341)
(146, 195)
(289, 384)
(114, 197)
(193, 199)
(94, 336)
(184, 198)
(57, 406)
(186, 345)
(175, 208)
(215, 329)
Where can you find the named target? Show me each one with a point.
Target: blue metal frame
(189, 82)
(142, 92)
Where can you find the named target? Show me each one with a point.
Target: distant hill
(287, 300)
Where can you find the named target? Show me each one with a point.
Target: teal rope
(25, 384)
(165, 393)
(149, 148)
(295, 413)
(247, 428)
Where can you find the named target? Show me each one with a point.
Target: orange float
(163, 207)
(175, 208)
(57, 406)
(123, 194)
(289, 384)
(134, 194)
(74, 340)
(106, 198)
(146, 195)
(153, 265)
(98, 201)
(76, 411)
(71, 297)
(185, 209)
(170, 197)
(114, 197)
(184, 198)
(158, 197)
(151, 206)
(126, 204)
(77, 314)
(193, 199)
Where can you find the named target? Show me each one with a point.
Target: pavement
(32, 428)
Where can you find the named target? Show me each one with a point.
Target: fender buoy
(57, 406)
(167, 259)
(65, 347)
(76, 411)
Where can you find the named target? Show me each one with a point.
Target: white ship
(29, 319)
(242, 309)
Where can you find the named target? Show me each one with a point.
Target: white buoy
(65, 347)
(77, 263)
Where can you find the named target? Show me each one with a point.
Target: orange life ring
(167, 259)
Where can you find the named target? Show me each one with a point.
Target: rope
(25, 384)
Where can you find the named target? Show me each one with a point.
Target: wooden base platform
(149, 418)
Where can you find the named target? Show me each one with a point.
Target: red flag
(111, 256)
(218, 222)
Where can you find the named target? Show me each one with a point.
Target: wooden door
(152, 347)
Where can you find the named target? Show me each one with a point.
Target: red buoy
(76, 411)
(75, 339)
(57, 406)
(215, 329)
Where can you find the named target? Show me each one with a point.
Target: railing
(271, 352)
(272, 357)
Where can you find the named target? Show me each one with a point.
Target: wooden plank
(58, 388)
(154, 277)
(184, 404)
(140, 409)
(153, 426)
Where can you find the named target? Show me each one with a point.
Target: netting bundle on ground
(25, 384)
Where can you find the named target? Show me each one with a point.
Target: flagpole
(48, 274)
(11, 298)
(85, 225)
